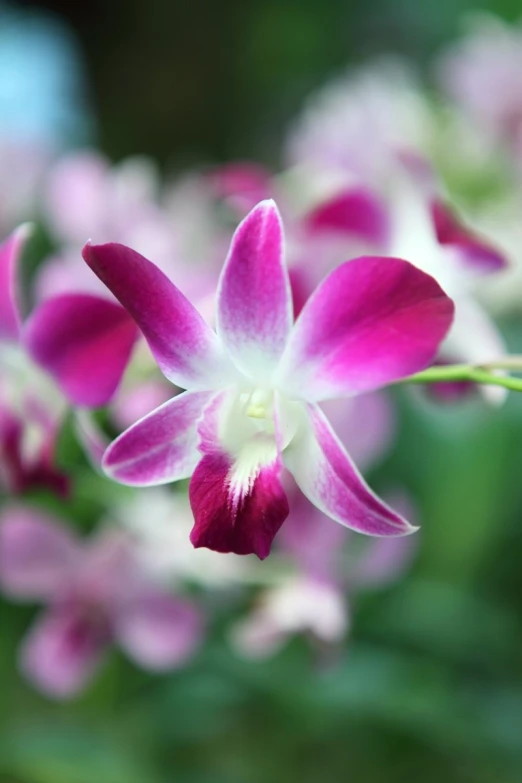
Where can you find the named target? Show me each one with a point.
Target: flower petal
(84, 342)
(372, 321)
(474, 250)
(254, 308)
(158, 631)
(161, 447)
(227, 520)
(10, 251)
(37, 554)
(355, 212)
(185, 347)
(326, 475)
(62, 651)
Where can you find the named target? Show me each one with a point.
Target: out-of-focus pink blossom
(356, 127)
(47, 360)
(22, 169)
(425, 229)
(325, 569)
(96, 596)
(88, 196)
(30, 406)
(482, 73)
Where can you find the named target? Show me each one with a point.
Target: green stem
(464, 372)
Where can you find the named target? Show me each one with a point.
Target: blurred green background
(429, 686)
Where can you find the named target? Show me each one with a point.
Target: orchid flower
(253, 385)
(96, 596)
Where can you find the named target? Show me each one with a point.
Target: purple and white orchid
(96, 595)
(253, 386)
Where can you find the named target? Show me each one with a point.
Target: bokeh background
(428, 684)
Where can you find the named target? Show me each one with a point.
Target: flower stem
(466, 372)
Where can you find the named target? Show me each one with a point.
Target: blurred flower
(314, 597)
(30, 406)
(482, 73)
(425, 229)
(299, 605)
(499, 218)
(85, 196)
(86, 367)
(355, 128)
(160, 520)
(96, 596)
(253, 386)
(22, 165)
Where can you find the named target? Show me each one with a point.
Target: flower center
(259, 405)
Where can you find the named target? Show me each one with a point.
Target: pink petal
(159, 631)
(223, 524)
(63, 650)
(356, 212)
(372, 321)
(10, 252)
(474, 249)
(326, 475)
(37, 554)
(161, 447)
(254, 309)
(185, 347)
(84, 342)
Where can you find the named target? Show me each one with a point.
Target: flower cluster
(248, 357)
